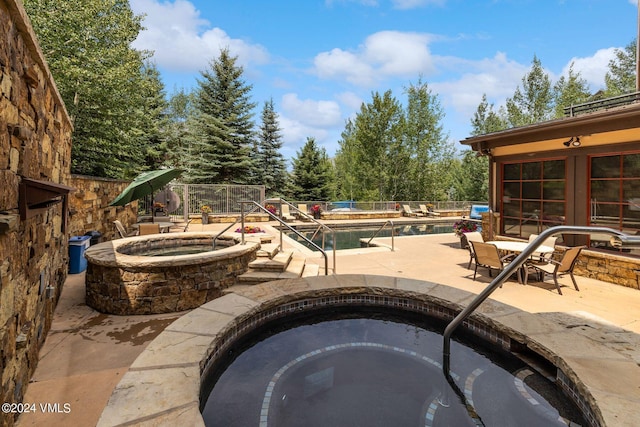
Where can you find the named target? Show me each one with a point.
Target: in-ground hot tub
(133, 276)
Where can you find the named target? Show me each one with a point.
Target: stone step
(279, 262)
(311, 270)
(253, 277)
(268, 250)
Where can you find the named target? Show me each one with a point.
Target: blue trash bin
(77, 246)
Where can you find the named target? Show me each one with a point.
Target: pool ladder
(618, 240)
(389, 222)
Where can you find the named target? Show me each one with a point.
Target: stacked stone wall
(35, 143)
(89, 208)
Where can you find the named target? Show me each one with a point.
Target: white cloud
(310, 112)
(496, 77)
(183, 41)
(350, 100)
(592, 68)
(383, 54)
(339, 64)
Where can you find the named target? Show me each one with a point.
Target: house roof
(612, 126)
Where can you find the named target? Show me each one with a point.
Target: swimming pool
(376, 369)
(349, 238)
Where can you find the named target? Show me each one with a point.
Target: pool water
(174, 250)
(350, 238)
(374, 370)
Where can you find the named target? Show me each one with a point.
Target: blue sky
(320, 59)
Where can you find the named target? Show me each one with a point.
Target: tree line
(124, 123)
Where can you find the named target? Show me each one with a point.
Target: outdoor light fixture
(572, 142)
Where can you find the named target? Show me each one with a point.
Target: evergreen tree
(271, 169)
(569, 91)
(223, 130)
(621, 77)
(87, 44)
(181, 114)
(534, 102)
(156, 122)
(312, 174)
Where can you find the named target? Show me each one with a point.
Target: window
(614, 192)
(533, 196)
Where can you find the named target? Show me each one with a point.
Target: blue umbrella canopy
(144, 184)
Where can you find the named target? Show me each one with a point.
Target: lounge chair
(408, 212)
(556, 268)
(285, 213)
(146, 228)
(487, 255)
(303, 212)
(122, 232)
(428, 212)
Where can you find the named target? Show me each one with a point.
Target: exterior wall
(89, 208)
(35, 143)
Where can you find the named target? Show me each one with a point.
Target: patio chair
(428, 212)
(146, 228)
(549, 241)
(556, 268)
(285, 213)
(122, 232)
(408, 212)
(474, 236)
(487, 255)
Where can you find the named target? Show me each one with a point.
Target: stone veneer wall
(35, 143)
(89, 208)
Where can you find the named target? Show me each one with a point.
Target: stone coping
(163, 384)
(107, 254)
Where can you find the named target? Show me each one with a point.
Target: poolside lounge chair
(146, 228)
(122, 232)
(556, 268)
(428, 212)
(408, 212)
(303, 214)
(285, 213)
(487, 255)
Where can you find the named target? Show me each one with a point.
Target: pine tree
(312, 176)
(156, 122)
(223, 130)
(271, 169)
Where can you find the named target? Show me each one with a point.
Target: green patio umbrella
(144, 184)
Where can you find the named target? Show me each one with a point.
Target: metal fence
(187, 199)
(388, 205)
(183, 200)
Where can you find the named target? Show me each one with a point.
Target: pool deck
(86, 353)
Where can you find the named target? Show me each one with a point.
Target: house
(583, 169)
